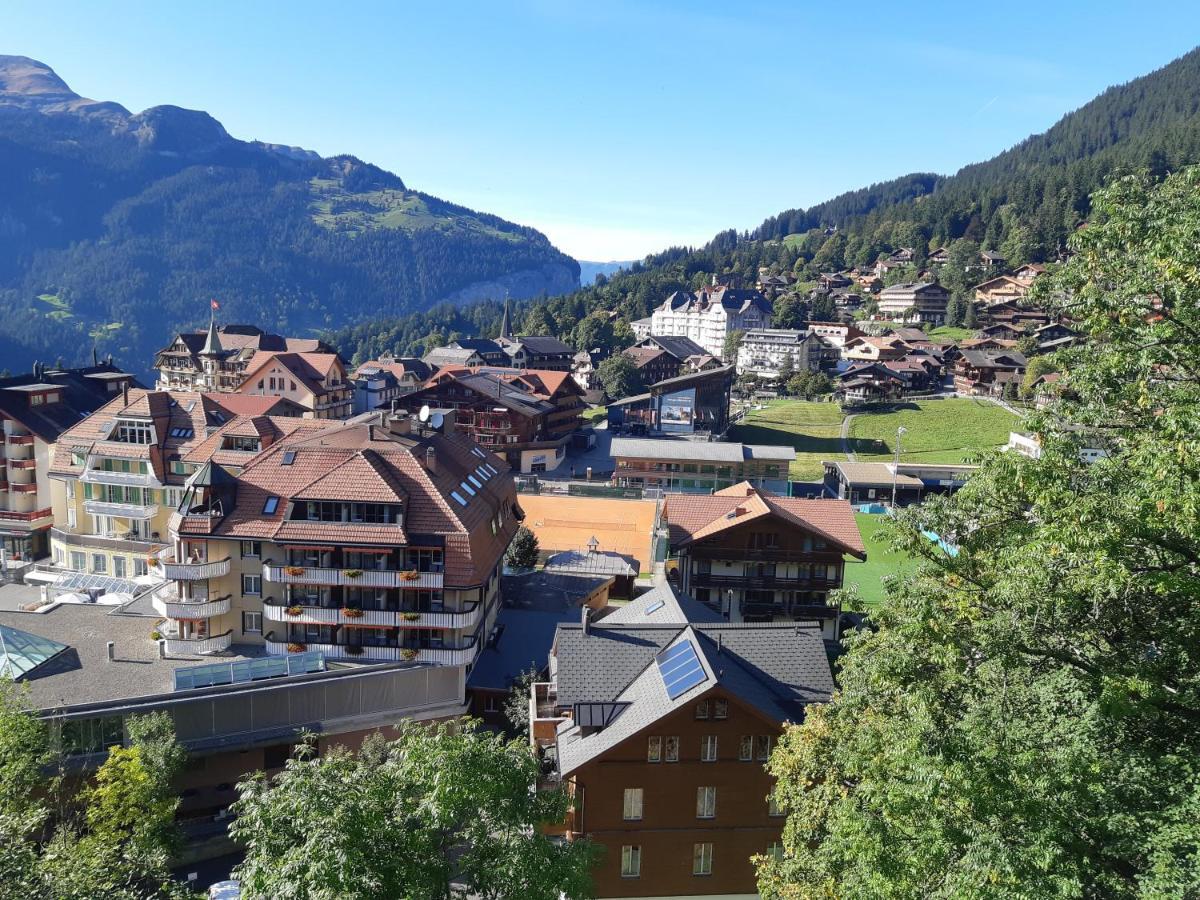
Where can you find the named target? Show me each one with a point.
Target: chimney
(430, 460)
(583, 618)
(125, 393)
(112, 651)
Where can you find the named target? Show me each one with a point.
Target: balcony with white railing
(120, 510)
(166, 603)
(94, 474)
(194, 571)
(442, 656)
(179, 646)
(366, 578)
(317, 615)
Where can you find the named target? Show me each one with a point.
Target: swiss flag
(215, 304)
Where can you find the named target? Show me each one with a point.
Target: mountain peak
(30, 78)
(28, 84)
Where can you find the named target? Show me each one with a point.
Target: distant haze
(589, 270)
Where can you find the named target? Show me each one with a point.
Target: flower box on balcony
(408, 653)
(294, 571)
(353, 573)
(297, 648)
(411, 617)
(295, 610)
(410, 575)
(351, 613)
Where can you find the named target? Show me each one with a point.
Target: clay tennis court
(568, 523)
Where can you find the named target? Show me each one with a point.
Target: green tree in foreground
(444, 811)
(1024, 722)
(112, 841)
(523, 552)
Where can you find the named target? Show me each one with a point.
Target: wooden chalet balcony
(194, 571)
(280, 611)
(754, 581)
(367, 578)
(173, 608)
(442, 656)
(797, 612)
(768, 554)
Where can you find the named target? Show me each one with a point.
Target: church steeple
(506, 323)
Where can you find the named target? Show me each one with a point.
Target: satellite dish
(436, 420)
(423, 415)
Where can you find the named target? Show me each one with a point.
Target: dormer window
(241, 443)
(131, 431)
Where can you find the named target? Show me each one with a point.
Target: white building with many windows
(707, 316)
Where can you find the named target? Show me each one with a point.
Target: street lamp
(896, 466)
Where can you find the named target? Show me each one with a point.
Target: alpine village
(851, 556)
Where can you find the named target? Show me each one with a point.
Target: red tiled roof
(360, 461)
(693, 517)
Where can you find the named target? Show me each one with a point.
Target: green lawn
(950, 333)
(881, 560)
(812, 428)
(939, 431)
(595, 415)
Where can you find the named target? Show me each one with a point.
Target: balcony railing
(120, 510)
(278, 611)
(178, 646)
(22, 440)
(22, 488)
(96, 475)
(188, 609)
(441, 656)
(31, 516)
(752, 581)
(23, 463)
(367, 578)
(195, 571)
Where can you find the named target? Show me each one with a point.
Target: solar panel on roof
(655, 607)
(680, 669)
(457, 496)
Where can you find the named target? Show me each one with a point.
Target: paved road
(846, 451)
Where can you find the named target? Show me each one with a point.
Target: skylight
(457, 496)
(655, 607)
(475, 481)
(478, 453)
(244, 670)
(289, 457)
(270, 506)
(466, 487)
(482, 474)
(680, 669)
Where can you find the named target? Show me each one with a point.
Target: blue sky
(617, 128)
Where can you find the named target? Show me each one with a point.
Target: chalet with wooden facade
(757, 557)
(657, 721)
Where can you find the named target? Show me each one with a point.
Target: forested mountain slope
(1024, 202)
(116, 229)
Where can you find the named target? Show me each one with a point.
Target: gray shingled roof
(667, 448)
(777, 669)
(662, 605)
(523, 642)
